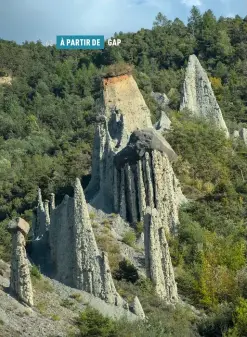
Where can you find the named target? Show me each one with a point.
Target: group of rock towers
(132, 176)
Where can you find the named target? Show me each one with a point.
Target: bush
(139, 227)
(92, 323)
(67, 303)
(129, 238)
(118, 69)
(55, 318)
(126, 271)
(35, 272)
(218, 322)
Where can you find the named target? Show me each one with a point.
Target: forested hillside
(47, 119)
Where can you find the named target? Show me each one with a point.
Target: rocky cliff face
(20, 280)
(74, 254)
(125, 172)
(131, 171)
(143, 176)
(158, 261)
(122, 111)
(198, 95)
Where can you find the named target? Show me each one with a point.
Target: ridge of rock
(198, 96)
(80, 265)
(162, 100)
(124, 135)
(158, 260)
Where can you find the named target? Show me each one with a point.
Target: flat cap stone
(142, 141)
(19, 224)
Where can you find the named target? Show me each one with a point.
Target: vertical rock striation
(130, 158)
(198, 95)
(20, 280)
(146, 178)
(158, 261)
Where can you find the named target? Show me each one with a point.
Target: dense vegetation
(46, 131)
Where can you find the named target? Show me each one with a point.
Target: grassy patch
(67, 303)
(55, 318)
(76, 296)
(129, 238)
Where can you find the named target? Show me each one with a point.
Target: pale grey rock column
(148, 181)
(20, 280)
(198, 96)
(157, 256)
(243, 135)
(41, 216)
(164, 123)
(122, 210)
(137, 308)
(141, 190)
(131, 194)
(47, 214)
(52, 202)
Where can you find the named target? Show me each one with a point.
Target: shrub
(118, 69)
(129, 238)
(92, 323)
(139, 227)
(55, 318)
(217, 322)
(92, 215)
(126, 271)
(76, 296)
(67, 303)
(35, 272)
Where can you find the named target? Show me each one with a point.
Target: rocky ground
(56, 306)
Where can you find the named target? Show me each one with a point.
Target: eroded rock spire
(80, 265)
(20, 280)
(198, 96)
(157, 256)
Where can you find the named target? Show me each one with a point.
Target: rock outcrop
(146, 178)
(20, 280)
(235, 134)
(164, 123)
(158, 261)
(198, 96)
(162, 100)
(76, 260)
(243, 135)
(130, 158)
(122, 111)
(137, 308)
(240, 134)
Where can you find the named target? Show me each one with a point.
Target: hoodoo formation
(158, 260)
(80, 265)
(131, 172)
(131, 159)
(20, 280)
(198, 96)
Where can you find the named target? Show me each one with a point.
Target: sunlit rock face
(158, 260)
(198, 96)
(130, 158)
